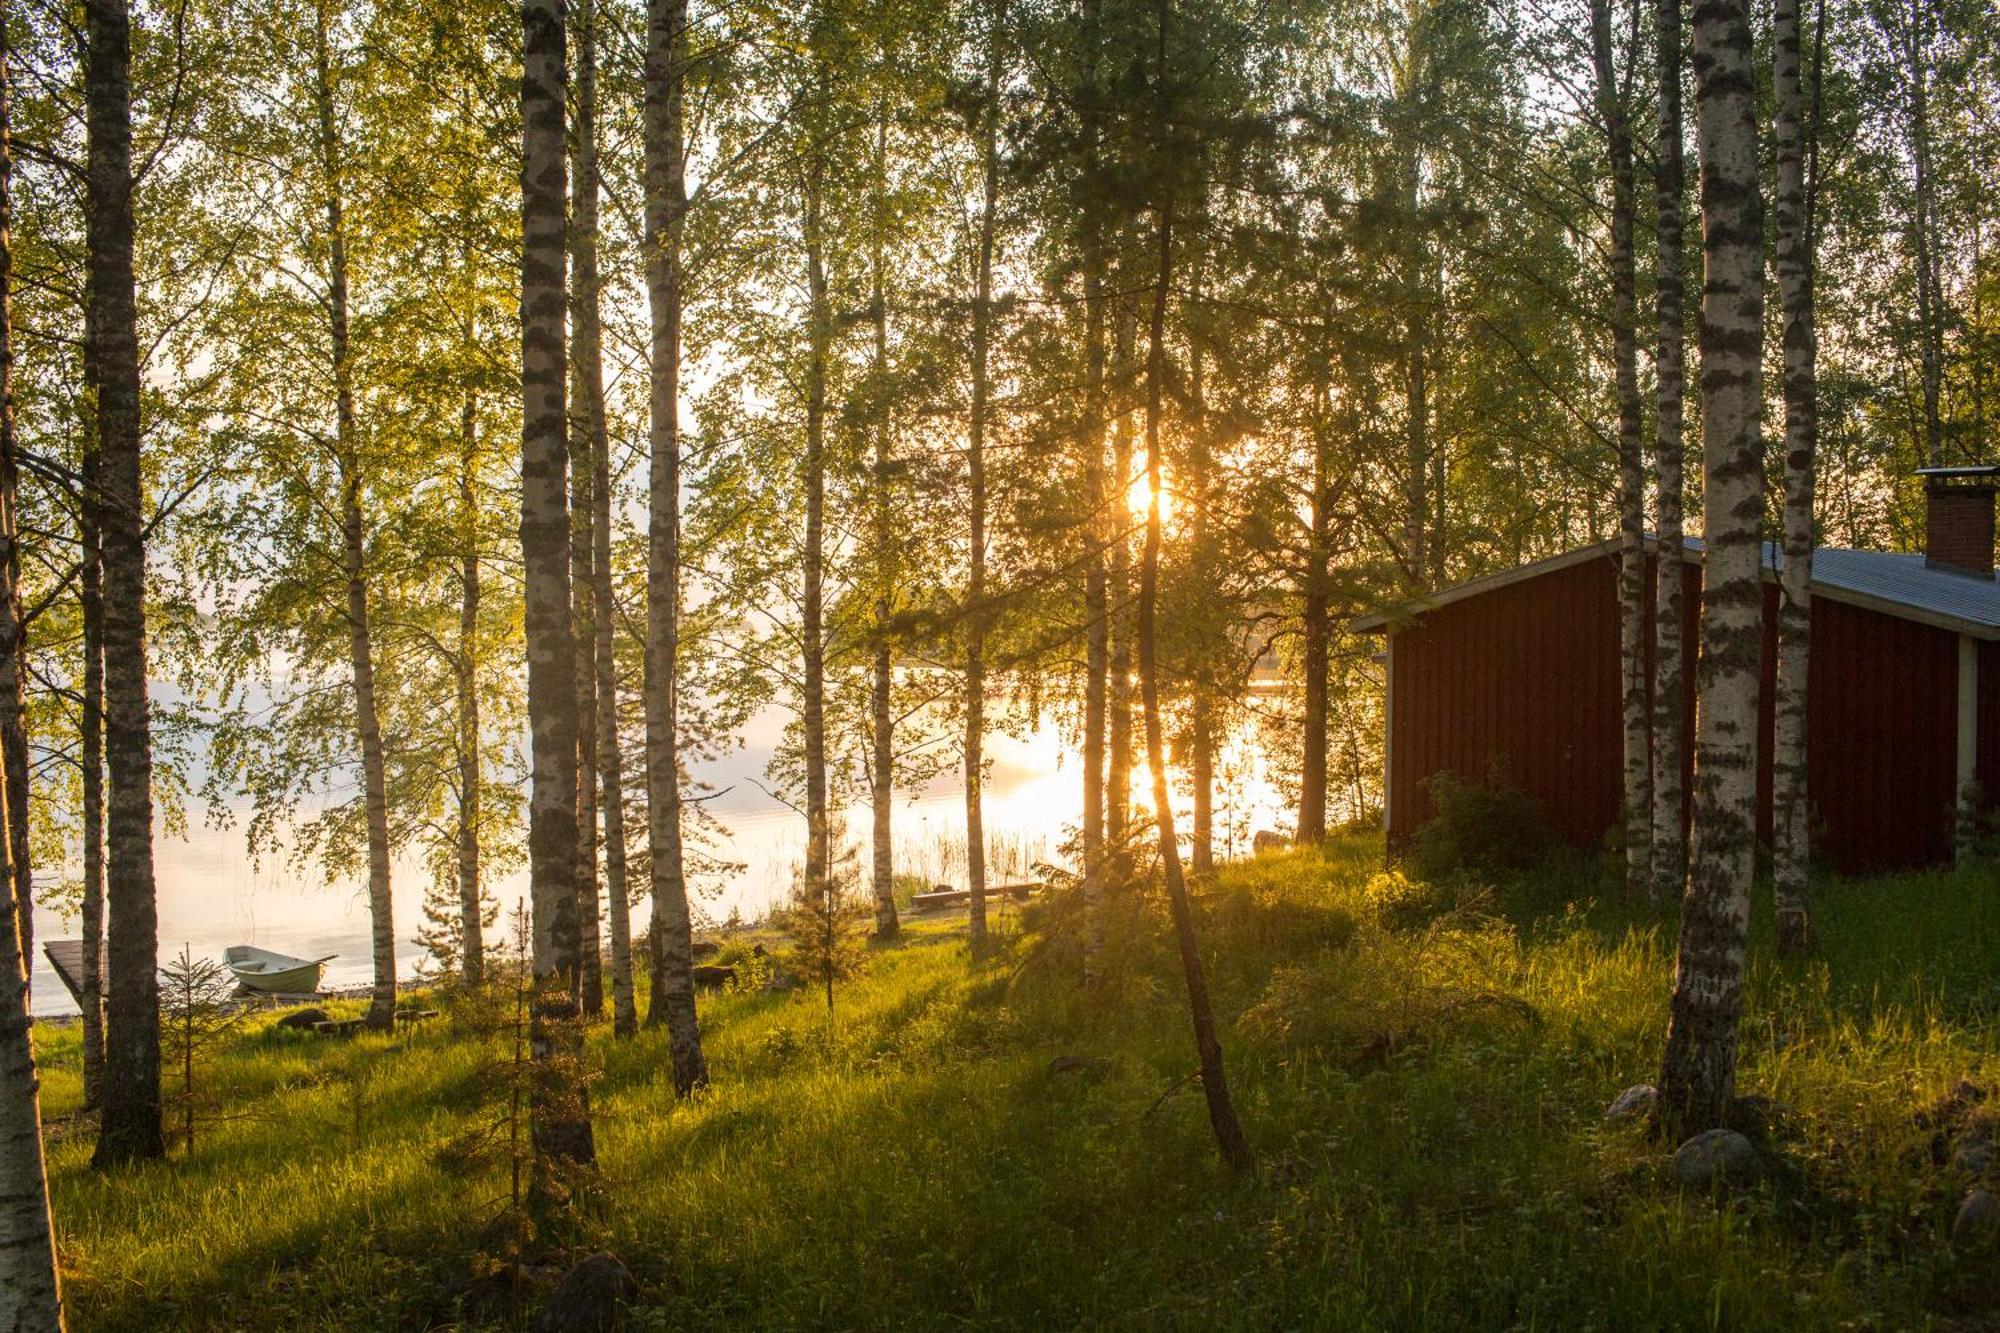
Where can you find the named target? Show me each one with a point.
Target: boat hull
(301, 980)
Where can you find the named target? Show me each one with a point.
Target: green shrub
(1485, 828)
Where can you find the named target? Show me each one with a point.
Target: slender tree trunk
(1315, 627)
(1118, 778)
(1097, 626)
(465, 667)
(1638, 772)
(560, 1107)
(1669, 186)
(1698, 1071)
(975, 593)
(607, 758)
(1923, 234)
(812, 630)
(130, 1128)
(1417, 525)
(1201, 771)
(1229, 1135)
(882, 784)
(30, 1290)
(589, 439)
(354, 549)
(672, 937)
(90, 753)
(1795, 264)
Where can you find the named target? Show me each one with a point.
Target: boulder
(706, 948)
(1717, 1157)
(1635, 1103)
(1974, 1155)
(781, 981)
(1268, 840)
(710, 977)
(1978, 1220)
(591, 1298)
(1075, 1064)
(304, 1019)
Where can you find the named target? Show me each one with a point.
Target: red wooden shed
(1518, 673)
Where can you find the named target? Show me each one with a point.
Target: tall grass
(1422, 1068)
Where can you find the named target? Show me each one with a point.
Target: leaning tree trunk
(1669, 669)
(1638, 772)
(589, 439)
(672, 941)
(604, 706)
(354, 553)
(882, 776)
(1788, 750)
(1229, 1135)
(975, 589)
(1698, 1071)
(30, 1291)
(1097, 627)
(130, 1126)
(90, 754)
(465, 669)
(560, 1107)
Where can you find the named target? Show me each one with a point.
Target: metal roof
(1895, 583)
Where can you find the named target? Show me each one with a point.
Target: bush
(1485, 828)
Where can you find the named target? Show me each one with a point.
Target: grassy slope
(1425, 1094)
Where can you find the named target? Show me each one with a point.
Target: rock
(1978, 1220)
(1075, 1064)
(1974, 1155)
(779, 982)
(590, 1298)
(1635, 1103)
(1269, 840)
(710, 977)
(706, 948)
(759, 951)
(1717, 1157)
(304, 1019)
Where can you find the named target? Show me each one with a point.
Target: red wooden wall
(1525, 677)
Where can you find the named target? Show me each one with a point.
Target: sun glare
(1137, 493)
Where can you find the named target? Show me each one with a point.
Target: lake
(212, 896)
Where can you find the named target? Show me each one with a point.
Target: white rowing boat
(275, 973)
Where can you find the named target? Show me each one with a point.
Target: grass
(1423, 1070)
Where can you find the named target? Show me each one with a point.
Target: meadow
(1422, 1068)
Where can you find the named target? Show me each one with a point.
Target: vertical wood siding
(1522, 682)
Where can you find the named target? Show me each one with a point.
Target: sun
(1138, 493)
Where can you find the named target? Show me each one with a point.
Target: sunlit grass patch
(1423, 1069)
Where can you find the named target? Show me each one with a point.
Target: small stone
(708, 976)
(590, 1298)
(779, 982)
(1268, 840)
(1074, 1064)
(304, 1019)
(1635, 1103)
(1974, 1155)
(705, 948)
(1978, 1220)
(1717, 1157)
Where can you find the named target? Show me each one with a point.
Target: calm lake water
(211, 896)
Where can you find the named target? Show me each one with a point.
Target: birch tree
(1698, 1070)
(1669, 430)
(130, 1127)
(1790, 813)
(560, 1114)
(30, 1289)
(1638, 794)
(672, 961)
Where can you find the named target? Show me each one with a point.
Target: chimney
(1958, 519)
